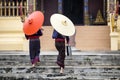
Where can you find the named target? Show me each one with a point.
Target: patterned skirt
(60, 46)
(34, 50)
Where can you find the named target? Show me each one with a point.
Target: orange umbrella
(62, 24)
(33, 23)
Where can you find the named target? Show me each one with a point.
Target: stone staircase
(82, 65)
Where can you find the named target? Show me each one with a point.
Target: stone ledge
(18, 52)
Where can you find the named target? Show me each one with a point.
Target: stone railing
(11, 7)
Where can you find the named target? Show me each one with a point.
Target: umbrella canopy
(62, 24)
(33, 23)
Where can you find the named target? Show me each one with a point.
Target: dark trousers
(34, 50)
(60, 46)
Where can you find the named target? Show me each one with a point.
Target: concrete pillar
(86, 14)
(30, 6)
(114, 40)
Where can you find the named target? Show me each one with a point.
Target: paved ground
(82, 65)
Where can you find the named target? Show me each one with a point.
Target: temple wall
(11, 35)
(87, 37)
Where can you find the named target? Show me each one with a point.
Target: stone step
(52, 72)
(81, 58)
(80, 66)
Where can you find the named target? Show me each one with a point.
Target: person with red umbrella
(34, 47)
(32, 28)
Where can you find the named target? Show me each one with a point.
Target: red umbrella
(33, 23)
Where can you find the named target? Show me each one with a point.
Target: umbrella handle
(64, 23)
(30, 21)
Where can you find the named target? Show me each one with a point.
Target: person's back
(36, 35)
(34, 47)
(60, 46)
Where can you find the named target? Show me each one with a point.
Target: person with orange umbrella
(34, 47)
(32, 28)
